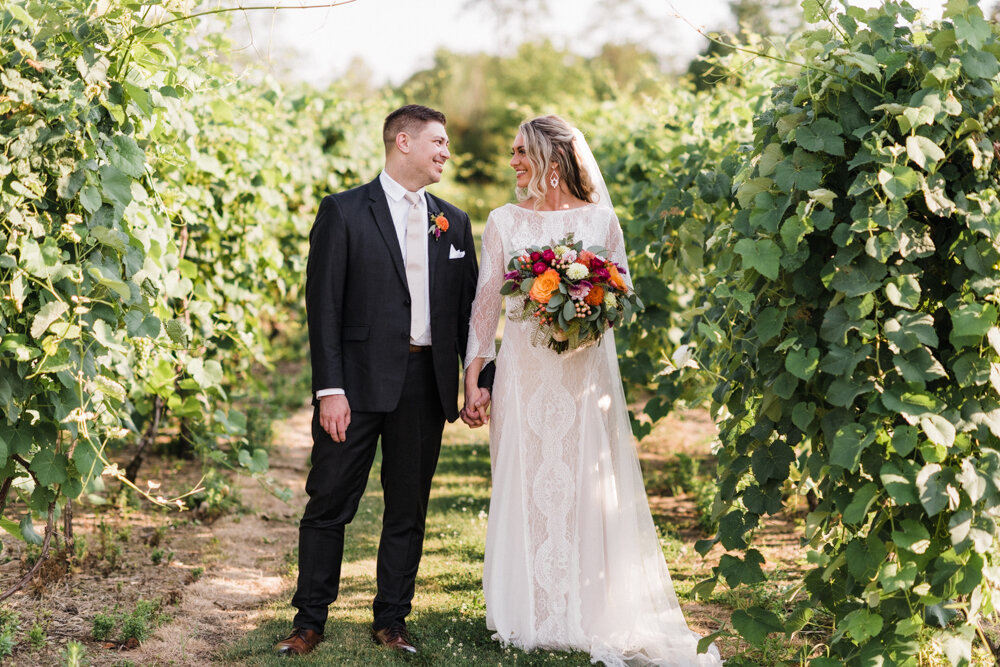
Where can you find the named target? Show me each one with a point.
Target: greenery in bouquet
(573, 294)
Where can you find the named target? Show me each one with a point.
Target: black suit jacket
(358, 302)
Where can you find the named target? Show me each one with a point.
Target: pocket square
(455, 253)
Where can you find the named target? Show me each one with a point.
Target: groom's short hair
(408, 119)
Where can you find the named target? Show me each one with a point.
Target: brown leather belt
(419, 348)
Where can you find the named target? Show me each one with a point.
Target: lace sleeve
(486, 306)
(616, 246)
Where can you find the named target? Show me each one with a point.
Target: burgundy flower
(539, 268)
(535, 256)
(596, 263)
(601, 274)
(513, 275)
(548, 256)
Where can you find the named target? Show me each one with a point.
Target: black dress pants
(411, 443)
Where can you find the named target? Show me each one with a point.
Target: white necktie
(416, 244)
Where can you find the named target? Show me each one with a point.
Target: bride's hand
(477, 401)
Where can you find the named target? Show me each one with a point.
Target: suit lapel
(383, 220)
(434, 245)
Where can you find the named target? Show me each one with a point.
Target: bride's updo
(549, 139)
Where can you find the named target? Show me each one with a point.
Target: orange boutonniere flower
(439, 225)
(544, 286)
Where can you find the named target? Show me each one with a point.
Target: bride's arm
(485, 316)
(615, 246)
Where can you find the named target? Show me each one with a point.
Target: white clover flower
(560, 250)
(577, 271)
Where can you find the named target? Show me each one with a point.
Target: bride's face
(519, 162)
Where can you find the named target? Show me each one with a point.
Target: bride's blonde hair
(549, 139)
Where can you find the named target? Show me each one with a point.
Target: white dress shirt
(399, 209)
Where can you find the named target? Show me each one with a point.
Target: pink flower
(601, 274)
(539, 268)
(580, 290)
(513, 275)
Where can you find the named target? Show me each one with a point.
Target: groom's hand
(475, 411)
(335, 416)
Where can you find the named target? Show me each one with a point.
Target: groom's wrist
(329, 392)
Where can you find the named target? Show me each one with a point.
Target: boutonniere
(439, 225)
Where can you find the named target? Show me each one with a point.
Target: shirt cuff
(329, 392)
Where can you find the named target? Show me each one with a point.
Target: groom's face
(429, 152)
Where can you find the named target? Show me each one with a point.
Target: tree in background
(753, 18)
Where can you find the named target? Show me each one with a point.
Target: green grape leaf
(858, 507)
(848, 443)
(28, 532)
(933, 488)
(938, 430)
(898, 182)
(756, 623)
(49, 467)
(802, 363)
(46, 315)
(923, 151)
(742, 571)
(762, 255)
(912, 536)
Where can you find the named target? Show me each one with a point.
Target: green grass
(448, 622)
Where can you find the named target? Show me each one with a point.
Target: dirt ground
(221, 576)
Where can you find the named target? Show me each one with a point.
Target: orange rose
(616, 278)
(595, 297)
(544, 286)
(441, 222)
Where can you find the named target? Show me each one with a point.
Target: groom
(389, 287)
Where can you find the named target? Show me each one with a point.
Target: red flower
(535, 256)
(548, 256)
(539, 268)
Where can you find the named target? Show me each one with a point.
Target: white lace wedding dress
(573, 561)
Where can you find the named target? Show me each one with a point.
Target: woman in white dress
(573, 561)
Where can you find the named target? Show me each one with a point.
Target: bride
(573, 561)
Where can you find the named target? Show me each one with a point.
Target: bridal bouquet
(573, 294)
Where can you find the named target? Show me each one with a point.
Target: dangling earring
(554, 180)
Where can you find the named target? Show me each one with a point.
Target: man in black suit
(389, 287)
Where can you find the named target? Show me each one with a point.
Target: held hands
(477, 403)
(335, 416)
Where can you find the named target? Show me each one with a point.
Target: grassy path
(448, 622)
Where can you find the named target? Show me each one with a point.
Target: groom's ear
(403, 142)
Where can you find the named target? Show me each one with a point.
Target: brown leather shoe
(395, 638)
(300, 642)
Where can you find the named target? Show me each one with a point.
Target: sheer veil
(589, 164)
(659, 634)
